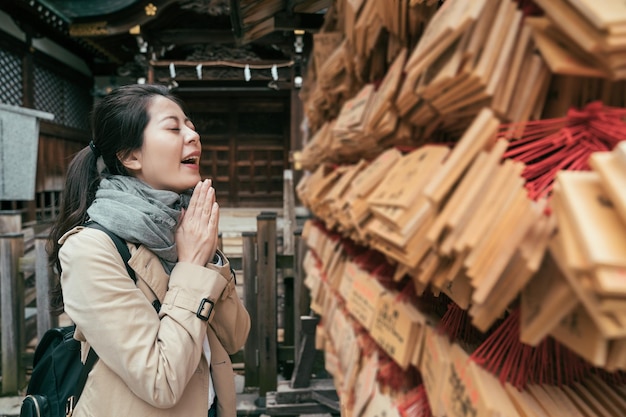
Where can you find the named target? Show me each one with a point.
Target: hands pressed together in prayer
(197, 233)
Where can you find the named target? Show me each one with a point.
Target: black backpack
(58, 374)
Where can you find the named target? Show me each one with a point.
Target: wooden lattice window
(10, 78)
(68, 102)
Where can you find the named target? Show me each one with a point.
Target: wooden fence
(25, 282)
(23, 260)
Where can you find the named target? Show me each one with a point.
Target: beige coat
(150, 364)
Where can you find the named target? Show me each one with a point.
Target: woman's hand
(197, 232)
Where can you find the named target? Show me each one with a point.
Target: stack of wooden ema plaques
(422, 222)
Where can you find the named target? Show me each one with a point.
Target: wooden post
(305, 356)
(289, 212)
(10, 221)
(12, 312)
(289, 313)
(266, 309)
(43, 280)
(150, 79)
(250, 292)
(301, 296)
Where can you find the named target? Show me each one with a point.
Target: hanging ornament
(246, 73)
(172, 70)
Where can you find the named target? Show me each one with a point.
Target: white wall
(44, 45)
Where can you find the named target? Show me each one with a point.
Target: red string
(549, 146)
(452, 321)
(415, 403)
(529, 8)
(391, 375)
(551, 363)
(366, 343)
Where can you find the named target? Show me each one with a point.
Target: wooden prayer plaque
(434, 368)
(363, 302)
(397, 328)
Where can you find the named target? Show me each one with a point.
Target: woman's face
(169, 158)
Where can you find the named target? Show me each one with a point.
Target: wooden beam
(311, 6)
(65, 132)
(119, 22)
(257, 64)
(235, 19)
(31, 23)
(202, 36)
(220, 70)
(191, 36)
(304, 21)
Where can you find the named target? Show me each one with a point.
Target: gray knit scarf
(140, 214)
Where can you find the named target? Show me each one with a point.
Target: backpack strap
(92, 356)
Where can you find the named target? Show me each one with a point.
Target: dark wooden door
(245, 146)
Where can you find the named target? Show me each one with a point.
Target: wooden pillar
(250, 294)
(305, 356)
(266, 309)
(297, 136)
(289, 212)
(290, 315)
(10, 221)
(150, 75)
(12, 312)
(301, 296)
(43, 282)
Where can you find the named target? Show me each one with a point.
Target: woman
(173, 362)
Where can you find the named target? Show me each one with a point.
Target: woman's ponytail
(79, 192)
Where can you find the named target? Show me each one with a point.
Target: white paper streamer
(172, 70)
(199, 71)
(246, 73)
(274, 72)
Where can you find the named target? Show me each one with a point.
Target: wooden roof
(122, 37)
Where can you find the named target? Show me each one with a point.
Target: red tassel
(566, 143)
(457, 325)
(415, 403)
(551, 363)
(366, 343)
(391, 375)
(529, 8)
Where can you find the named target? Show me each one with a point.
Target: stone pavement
(235, 221)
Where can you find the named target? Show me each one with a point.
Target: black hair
(118, 121)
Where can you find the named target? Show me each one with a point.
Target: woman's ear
(131, 160)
